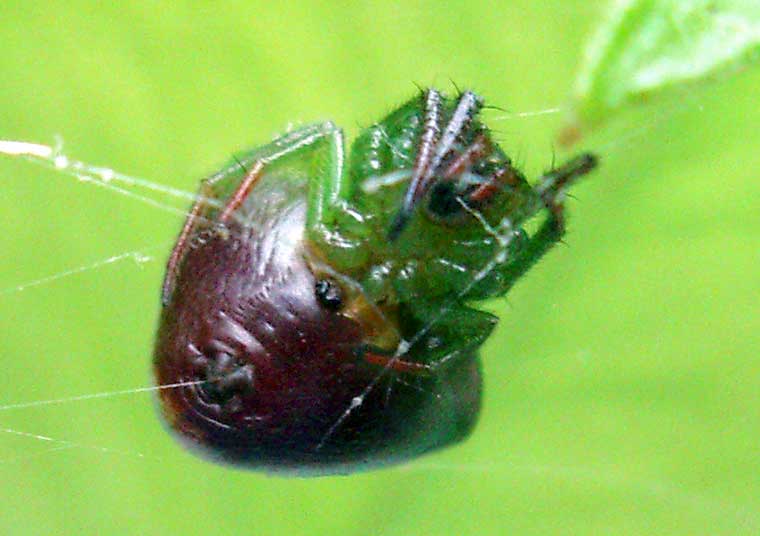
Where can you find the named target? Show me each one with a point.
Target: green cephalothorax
(320, 310)
(428, 216)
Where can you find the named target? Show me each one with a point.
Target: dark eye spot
(329, 294)
(444, 203)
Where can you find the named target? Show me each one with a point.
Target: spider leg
(328, 189)
(389, 360)
(205, 192)
(468, 106)
(322, 142)
(550, 194)
(494, 184)
(428, 141)
(479, 148)
(434, 149)
(397, 364)
(533, 249)
(553, 185)
(242, 191)
(172, 265)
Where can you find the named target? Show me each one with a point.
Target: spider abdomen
(271, 370)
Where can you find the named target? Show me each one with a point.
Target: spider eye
(445, 204)
(329, 294)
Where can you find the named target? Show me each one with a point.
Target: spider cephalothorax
(321, 312)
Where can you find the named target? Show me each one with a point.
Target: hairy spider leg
(325, 143)
(428, 140)
(425, 155)
(172, 265)
(479, 148)
(502, 177)
(468, 106)
(553, 184)
(549, 193)
(389, 360)
(240, 194)
(488, 189)
(505, 175)
(434, 148)
(328, 187)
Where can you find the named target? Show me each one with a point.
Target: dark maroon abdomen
(280, 383)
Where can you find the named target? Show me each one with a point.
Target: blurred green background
(622, 386)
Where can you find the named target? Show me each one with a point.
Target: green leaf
(649, 46)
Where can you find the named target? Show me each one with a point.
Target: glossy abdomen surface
(278, 382)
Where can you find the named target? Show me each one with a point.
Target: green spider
(322, 309)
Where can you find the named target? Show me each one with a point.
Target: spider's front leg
(549, 193)
(310, 159)
(334, 227)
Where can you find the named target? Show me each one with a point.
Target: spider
(303, 279)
